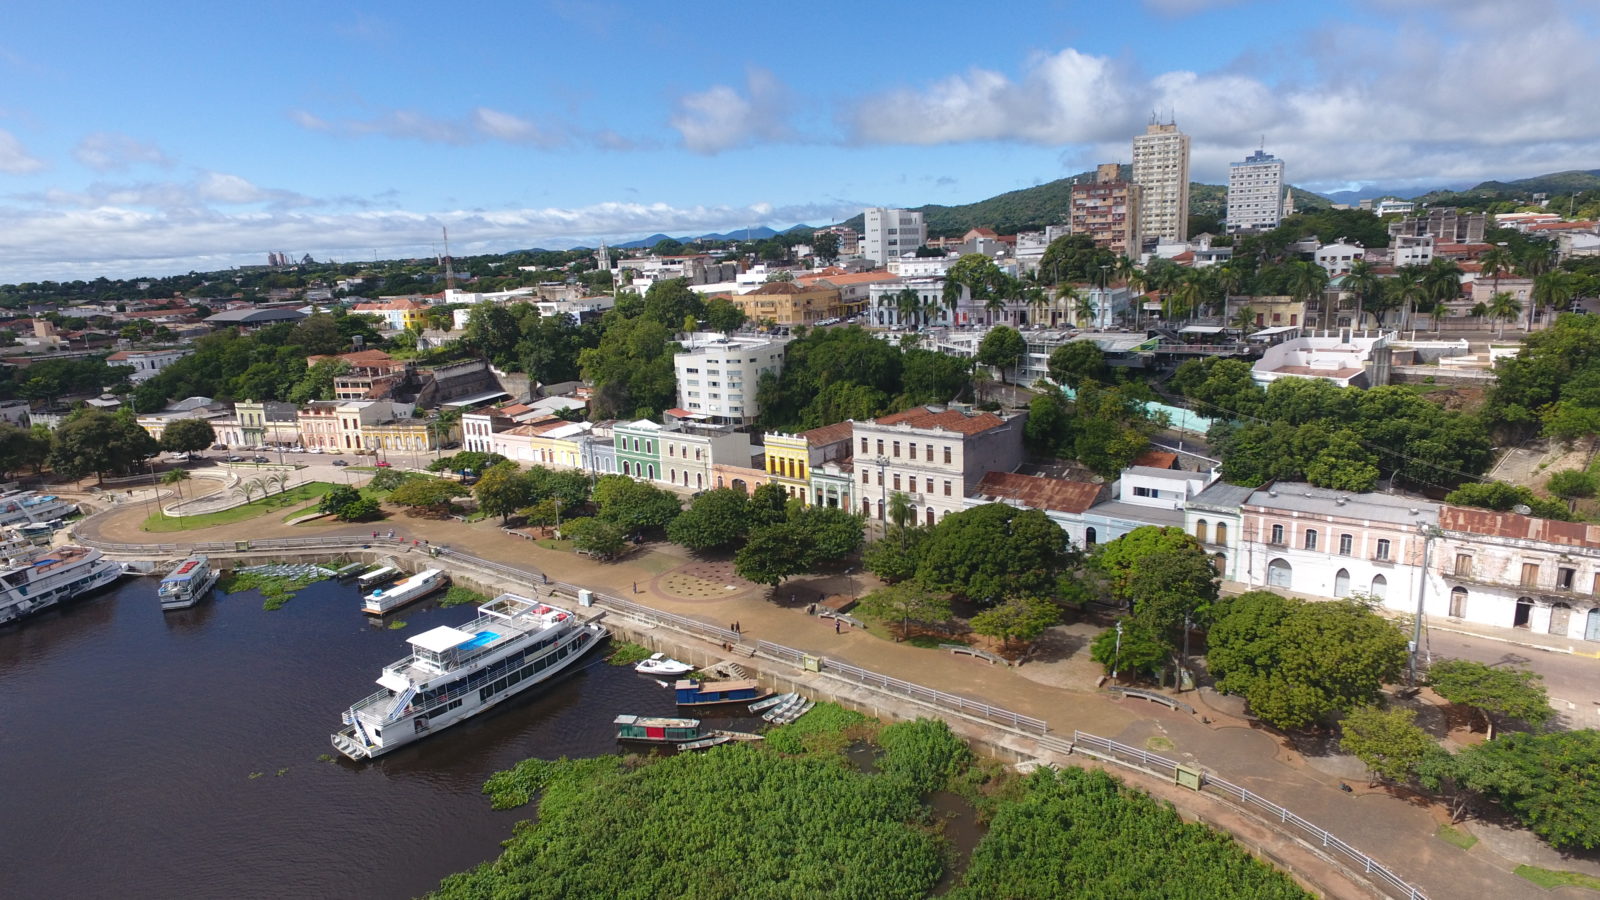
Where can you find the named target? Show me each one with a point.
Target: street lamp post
(1116, 657)
(883, 490)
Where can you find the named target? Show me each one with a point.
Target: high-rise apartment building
(1161, 168)
(1255, 192)
(891, 233)
(1107, 210)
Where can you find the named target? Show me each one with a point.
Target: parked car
(259, 459)
(383, 464)
(219, 446)
(315, 450)
(340, 462)
(235, 459)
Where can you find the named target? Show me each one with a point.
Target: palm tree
(1407, 289)
(952, 296)
(1363, 282)
(1442, 281)
(907, 304)
(1503, 306)
(1306, 282)
(1480, 311)
(277, 479)
(1244, 319)
(246, 489)
(176, 477)
(930, 309)
(1185, 297)
(1085, 311)
(1495, 262)
(1552, 290)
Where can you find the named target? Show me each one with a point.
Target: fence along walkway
(907, 689)
(1316, 836)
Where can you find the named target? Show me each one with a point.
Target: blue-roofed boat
(694, 693)
(385, 600)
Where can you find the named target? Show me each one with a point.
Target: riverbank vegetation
(624, 653)
(276, 589)
(460, 596)
(803, 815)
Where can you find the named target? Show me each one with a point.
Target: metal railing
(1317, 836)
(648, 614)
(907, 689)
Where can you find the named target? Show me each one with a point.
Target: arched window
(1088, 538)
(1280, 573)
(1341, 583)
(1380, 586)
(930, 515)
(1202, 532)
(1592, 628)
(880, 510)
(1458, 603)
(652, 470)
(1222, 532)
(1311, 539)
(626, 468)
(1524, 611)
(1220, 563)
(1560, 615)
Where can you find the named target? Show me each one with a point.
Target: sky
(158, 138)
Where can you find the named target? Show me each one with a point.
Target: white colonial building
(718, 374)
(891, 233)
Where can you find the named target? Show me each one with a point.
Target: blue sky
(144, 139)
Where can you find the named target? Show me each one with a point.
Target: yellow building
(791, 457)
(790, 304)
(788, 463)
(407, 435)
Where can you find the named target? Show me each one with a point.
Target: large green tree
(1499, 693)
(1546, 780)
(503, 489)
(993, 552)
(1002, 348)
(634, 506)
(774, 553)
(1387, 740)
(631, 368)
(95, 441)
(908, 602)
(1296, 662)
(188, 436)
(715, 520)
(1017, 619)
(426, 493)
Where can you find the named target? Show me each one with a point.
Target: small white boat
(794, 712)
(388, 599)
(661, 664)
(770, 702)
(188, 583)
(378, 576)
(776, 714)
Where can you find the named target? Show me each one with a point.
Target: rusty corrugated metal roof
(1512, 525)
(1037, 492)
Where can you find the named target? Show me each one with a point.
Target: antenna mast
(449, 273)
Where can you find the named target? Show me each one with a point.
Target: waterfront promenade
(1057, 686)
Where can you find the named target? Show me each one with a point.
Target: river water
(129, 737)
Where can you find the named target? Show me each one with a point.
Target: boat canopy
(440, 639)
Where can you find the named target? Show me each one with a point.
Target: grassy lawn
(553, 544)
(297, 513)
(1456, 836)
(1550, 878)
(295, 496)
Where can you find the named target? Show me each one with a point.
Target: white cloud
(14, 158)
(480, 124)
(81, 240)
(721, 118)
(1432, 97)
(106, 151)
(1067, 97)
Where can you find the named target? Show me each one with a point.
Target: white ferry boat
(188, 583)
(35, 581)
(454, 673)
(18, 507)
(388, 599)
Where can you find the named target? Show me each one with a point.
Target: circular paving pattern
(701, 581)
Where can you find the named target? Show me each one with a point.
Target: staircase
(400, 704)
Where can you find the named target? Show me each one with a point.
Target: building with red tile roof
(933, 455)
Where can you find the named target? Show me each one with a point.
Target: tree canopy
(994, 552)
(1296, 662)
(188, 436)
(1498, 693)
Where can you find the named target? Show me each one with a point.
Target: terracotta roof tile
(1511, 525)
(829, 434)
(949, 420)
(1157, 459)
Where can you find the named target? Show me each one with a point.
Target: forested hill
(1035, 207)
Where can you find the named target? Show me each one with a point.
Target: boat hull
(96, 575)
(397, 598)
(184, 601)
(407, 730)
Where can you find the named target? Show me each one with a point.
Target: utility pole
(1428, 534)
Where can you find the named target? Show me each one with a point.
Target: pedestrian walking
(835, 626)
(636, 587)
(737, 629)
